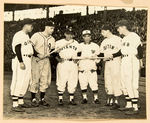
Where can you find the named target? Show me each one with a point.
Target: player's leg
(15, 105)
(93, 84)
(27, 79)
(62, 71)
(34, 83)
(45, 80)
(135, 85)
(72, 81)
(116, 84)
(108, 85)
(83, 84)
(126, 72)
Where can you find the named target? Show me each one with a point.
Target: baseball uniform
(88, 70)
(112, 74)
(67, 70)
(130, 64)
(41, 71)
(21, 78)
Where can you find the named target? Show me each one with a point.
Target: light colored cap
(85, 32)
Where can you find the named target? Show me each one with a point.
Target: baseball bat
(57, 49)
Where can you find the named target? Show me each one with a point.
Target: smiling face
(87, 38)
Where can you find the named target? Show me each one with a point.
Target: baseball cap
(69, 31)
(26, 21)
(122, 23)
(49, 23)
(86, 32)
(106, 27)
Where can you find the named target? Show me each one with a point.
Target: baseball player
(21, 66)
(43, 42)
(131, 62)
(87, 67)
(67, 70)
(110, 47)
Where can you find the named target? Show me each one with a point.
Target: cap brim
(86, 34)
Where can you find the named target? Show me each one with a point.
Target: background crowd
(94, 22)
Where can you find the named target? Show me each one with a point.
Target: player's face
(87, 38)
(68, 36)
(104, 33)
(29, 27)
(50, 29)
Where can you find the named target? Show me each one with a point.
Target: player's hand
(141, 64)
(22, 66)
(40, 56)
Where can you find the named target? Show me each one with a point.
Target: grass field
(86, 111)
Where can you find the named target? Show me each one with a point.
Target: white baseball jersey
(43, 44)
(111, 45)
(69, 51)
(112, 75)
(21, 78)
(23, 39)
(130, 64)
(88, 50)
(130, 44)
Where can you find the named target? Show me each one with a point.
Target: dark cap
(122, 23)
(69, 31)
(26, 21)
(49, 23)
(106, 27)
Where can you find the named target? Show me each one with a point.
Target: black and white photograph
(74, 62)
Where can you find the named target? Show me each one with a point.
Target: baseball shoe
(125, 109)
(43, 103)
(17, 109)
(34, 103)
(25, 105)
(96, 101)
(108, 104)
(132, 112)
(115, 106)
(84, 101)
(72, 102)
(60, 102)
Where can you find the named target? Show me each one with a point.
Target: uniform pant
(41, 75)
(67, 72)
(130, 75)
(112, 77)
(20, 78)
(88, 77)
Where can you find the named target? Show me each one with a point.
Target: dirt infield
(86, 111)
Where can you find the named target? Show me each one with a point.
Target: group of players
(76, 61)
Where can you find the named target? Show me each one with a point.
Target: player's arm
(117, 54)
(140, 55)
(19, 56)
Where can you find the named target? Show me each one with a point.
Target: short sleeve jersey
(110, 45)
(67, 51)
(130, 44)
(88, 50)
(23, 39)
(42, 44)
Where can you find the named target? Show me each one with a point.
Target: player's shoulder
(94, 44)
(52, 38)
(18, 34)
(117, 38)
(36, 34)
(133, 34)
